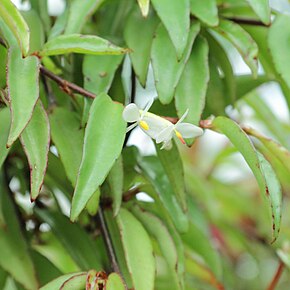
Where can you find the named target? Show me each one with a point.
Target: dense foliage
(80, 208)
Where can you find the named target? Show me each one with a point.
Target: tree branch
(276, 277)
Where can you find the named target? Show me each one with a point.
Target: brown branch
(276, 277)
(66, 85)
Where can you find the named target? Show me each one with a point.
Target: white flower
(180, 130)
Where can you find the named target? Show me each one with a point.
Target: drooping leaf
(205, 10)
(144, 7)
(115, 282)
(99, 71)
(79, 12)
(262, 9)
(35, 140)
(66, 133)
(175, 18)
(14, 258)
(167, 69)
(41, 8)
(262, 170)
(13, 19)
(104, 136)
(134, 237)
(243, 42)
(23, 74)
(78, 43)
(77, 282)
(4, 131)
(191, 89)
(137, 27)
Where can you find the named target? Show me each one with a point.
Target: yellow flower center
(144, 125)
(179, 136)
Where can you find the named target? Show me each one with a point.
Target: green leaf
(99, 72)
(262, 170)
(22, 78)
(78, 43)
(141, 264)
(115, 282)
(116, 179)
(79, 13)
(205, 10)
(13, 19)
(173, 167)
(242, 41)
(175, 18)
(144, 7)
(191, 89)
(262, 9)
(58, 282)
(93, 203)
(14, 258)
(137, 27)
(278, 43)
(77, 282)
(104, 137)
(66, 133)
(167, 69)
(77, 242)
(35, 140)
(4, 131)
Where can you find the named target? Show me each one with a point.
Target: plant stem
(277, 276)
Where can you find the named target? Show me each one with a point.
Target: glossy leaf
(74, 238)
(77, 282)
(79, 12)
(137, 27)
(78, 43)
(13, 19)
(243, 42)
(262, 9)
(134, 238)
(167, 69)
(262, 170)
(115, 282)
(4, 131)
(15, 258)
(99, 71)
(144, 7)
(35, 140)
(191, 89)
(66, 133)
(205, 10)
(58, 282)
(104, 137)
(23, 74)
(173, 167)
(278, 45)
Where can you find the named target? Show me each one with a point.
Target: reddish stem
(277, 276)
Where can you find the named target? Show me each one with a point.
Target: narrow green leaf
(191, 89)
(79, 13)
(205, 10)
(13, 19)
(166, 67)
(278, 43)
(23, 75)
(35, 140)
(262, 170)
(262, 9)
(77, 282)
(93, 203)
(243, 42)
(78, 43)
(41, 8)
(137, 27)
(104, 137)
(115, 282)
(4, 131)
(175, 18)
(77, 242)
(66, 133)
(116, 180)
(58, 282)
(14, 258)
(173, 167)
(141, 264)
(99, 72)
(144, 7)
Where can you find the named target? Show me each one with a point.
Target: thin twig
(277, 276)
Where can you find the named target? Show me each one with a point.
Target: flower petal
(165, 135)
(131, 127)
(167, 145)
(183, 117)
(156, 124)
(188, 130)
(131, 113)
